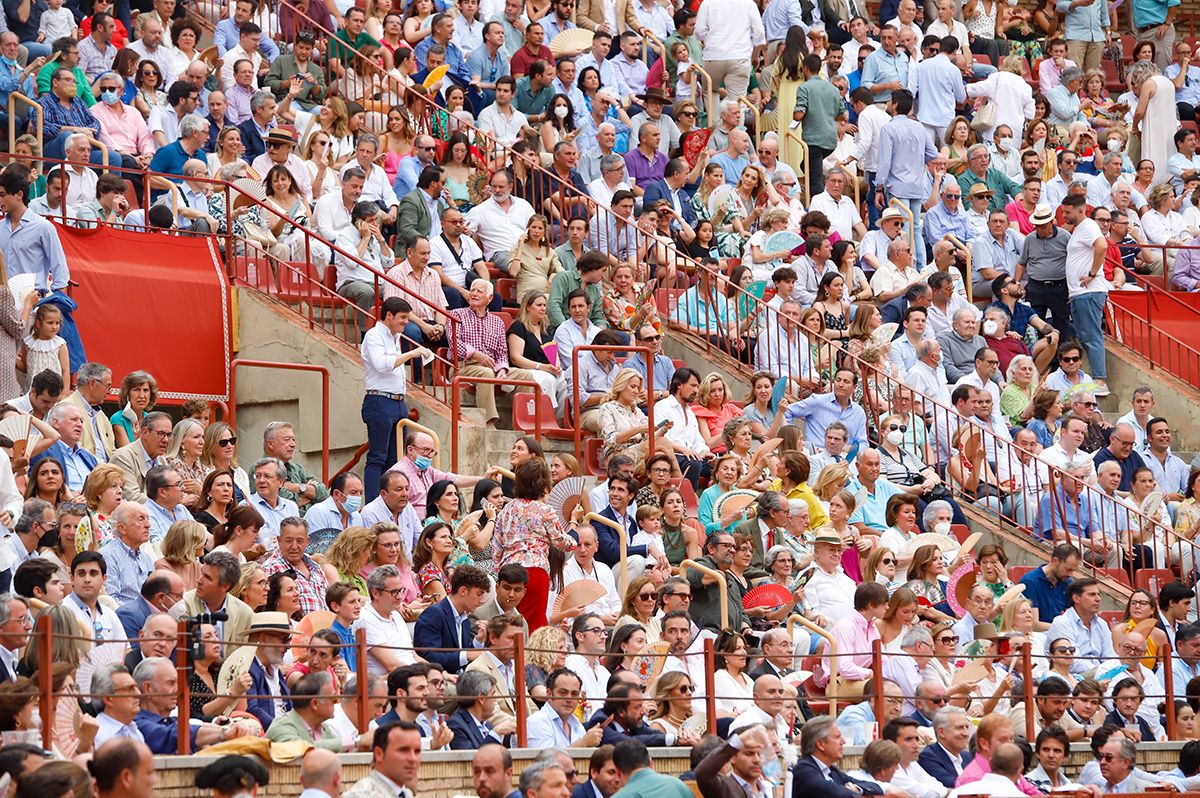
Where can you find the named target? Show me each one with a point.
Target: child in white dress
(43, 349)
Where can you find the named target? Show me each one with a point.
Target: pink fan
(768, 596)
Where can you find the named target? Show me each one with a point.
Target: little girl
(56, 23)
(683, 66)
(43, 349)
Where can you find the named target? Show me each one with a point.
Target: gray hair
(191, 125)
(6, 600)
(472, 685)
(945, 716)
(1071, 73)
(925, 348)
(231, 171)
(611, 160)
(1113, 156)
(59, 412)
(102, 679)
(32, 512)
(194, 167)
(963, 313)
(1108, 465)
(1123, 425)
(369, 138)
(1128, 749)
(156, 480)
(259, 100)
(485, 284)
(280, 468)
(309, 687)
(92, 372)
(74, 139)
(974, 149)
(773, 554)
(533, 775)
(604, 127)
(229, 568)
(729, 105)
(813, 732)
(145, 670)
(1139, 73)
(1016, 363)
(797, 506)
(771, 501)
(915, 636)
(645, 129)
(377, 579)
(274, 427)
(895, 245)
(932, 509)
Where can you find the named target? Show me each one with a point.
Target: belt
(1150, 27)
(395, 397)
(1033, 280)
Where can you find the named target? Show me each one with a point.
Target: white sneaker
(1101, 389)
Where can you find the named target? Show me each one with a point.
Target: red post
(45, 646)
(519, 688)
(360, 675)
(710, 686)
(185, 700)
(877, 678)
(1168, 688)
(1027, 679)
(267, 364)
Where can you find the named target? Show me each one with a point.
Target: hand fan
(732, 502)
(769, 596)
(1152, 505)
(778, 391)
(320, 540)
(693, 143)
(967, 545)
(784, 239)
(884, 333)
(308, 626)
(235, 665)
(717, 199)
(435, 76)
(67, 717)
(961, 582)
(566, 496)
(579, 594)
(649, 664)
(945, 543)
(571, 42)
(1011, 594)
(101, 654)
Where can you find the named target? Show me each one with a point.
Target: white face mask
(1004, 143)
(560, 111)
(990, 327)
(895, 437)
(942, 528)
(1114, 145)
(1012, 2)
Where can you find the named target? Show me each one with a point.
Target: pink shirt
(853, 635)
(979, 766)
(124, 132)
(419, 482)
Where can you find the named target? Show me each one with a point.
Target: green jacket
(1003, 187)
(292, 727)
(413, 218)
(299, 474)
(563, 284)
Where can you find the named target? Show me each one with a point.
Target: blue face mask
(352, 503)
(109, 97)
(422, 462)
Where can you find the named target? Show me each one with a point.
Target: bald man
(320, 774)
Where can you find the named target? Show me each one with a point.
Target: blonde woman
(641, 598)
(533, 261)
(958, 137)
(103, 490)
(252, 586)
(229, 150)
(546, 653)
(318, 162)
(714, 408)
(67, 643)
(182, 548)
(673, 693)
(219, 452)
(623, 425)
(183, 455)
(349, 554)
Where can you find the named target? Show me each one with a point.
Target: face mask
(942, 528)
(109, 97)
(560, 111)
(352, 503)
(1004, 143)
(1012, 2)
(990, 327)
(794, 190)
(423, 463)
(895, 437)
(1114, 145)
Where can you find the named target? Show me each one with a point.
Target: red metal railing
(267, 364)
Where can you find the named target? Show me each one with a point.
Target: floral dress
(431, 572)
(618, 310)
(729, 243)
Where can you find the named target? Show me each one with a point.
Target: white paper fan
(67, 717)
(565, 496)
(1152, 505)
(20, 285)
(100, 655)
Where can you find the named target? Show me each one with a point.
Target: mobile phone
(662, 424)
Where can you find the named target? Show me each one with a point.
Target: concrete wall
(1175, 400)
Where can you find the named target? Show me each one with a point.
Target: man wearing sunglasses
(139, 457)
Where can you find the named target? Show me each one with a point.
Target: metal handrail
(713, 116)
(456, 407)
(722, 585)
(805, 169)
(968, 277)
(831, 689)
(757, 138)
(268, 364)
(13, 97)
(408, 423)
(624, 544)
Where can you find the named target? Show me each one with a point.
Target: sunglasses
(901, 427)
(228, 441)
(686, 689)
(888, 561)
(1090, 404)
(1108, 757)
(680, 596)
(647, 596)
(1074, 359)
(1064, 650)
(948, 640)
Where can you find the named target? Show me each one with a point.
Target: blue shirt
(1151, 12)
(872, 507)
(988, 253)
(664, 368)
(161, 520)
(487, 69)
(608, 75)
(939, 221)
(272, 516)
(904, 149)
(854, 722)
(883, 68)
(1128, 466)
(1049, 599)
(407, 174)
(127, 570)
(227, 36)
(161, 734)
(938, 86)
(822, 409)
(78, 463)
(32, 247)
(10, 73)
(695, 311)
(348, 652)
(733, 167)
(169, 160)
(1190, 93)
(780, 16)
(1093, 643)
(326, 515)
(1076, 517)
(454, 57)
(1084, 23)
(57, 117)
(544, 729)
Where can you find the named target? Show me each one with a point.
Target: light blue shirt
(855, 721)
(883, 68)
(904, 149)
(1190, 93)
(822, 409)
(988, 253)
(1085, 23)
(578, 103)
(1177, 164)
(695, 311)
(779, 16)
(903, 353)
(161, 520)
(1100, 190)
(1151, 12)
(544, 729)
(1171, 477)
(608, 75)
(733, 167)
(939, 221)
(32, 247)
(1064, 106)
(76, 462)
(1180, 671)
(938, 86)
(664, 368)
(227, 36)
(1057, 381)
(127, 570)
(1093, 643)
(486, 68)
(872, 507)
(326, 515)
(272, 517)
(552, 27)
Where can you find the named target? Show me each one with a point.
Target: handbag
(985, 116)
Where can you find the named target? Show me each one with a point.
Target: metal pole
(710, 687)
(184, 709)
(877, 679)
(1027, 679)
(519, 688)
(1168, 688)
(360, 675)
(45, 675)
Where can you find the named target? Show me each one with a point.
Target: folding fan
(571, 42)
(784, 239)
(308, 626)
(767, 596)
(649, 664)
(100, 655)
(566, 496)
(579, 594)
(693, 143)
(734, 501)
(235, 665)
(961, 582)
(67, 717)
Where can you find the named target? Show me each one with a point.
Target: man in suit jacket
(273, 630)
(219, 572)
(625, 713)
(817, 773)
(772, 514)
(93, 381)
(946, 758)
(476, 695)
(420, 207)
(312, 708)
(14, 635)
(155, 596)
(143, 454)
(742, 754)
(447, 624)
(262, 117)
(670, 188)
(497, 662)
(603, 777)
(589, 15)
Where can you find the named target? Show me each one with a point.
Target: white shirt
(377, 187)
(783, 355)
(866, 142)
(608, 604)
(686, 430)
(889, 277)
(231, 57)
(917, 783)
(498, 229)
(942, 30)
(453, 267)
(391, 631)
(756, 715)
(506, 128)
(110, 727)
(330, 215)
(594, 679)
(1058, 457)
(410, 526)
(81, 190)
(989, 784)
(105, 624)
(545, 729)
(729, 29)
(831, 595)
(1080, 258)
(379, 350)
(164, 57)
(843, 216)
(1153, 688)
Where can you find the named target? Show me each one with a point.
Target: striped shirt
(428, 286)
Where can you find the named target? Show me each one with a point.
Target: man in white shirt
(830, 592)
(783, 350)
(376, 187)
(589, 637)
(249, 36)
(1087, 287)
(843, 215)
(152, 47)
(691, 450)
(730, 30)
(384, 624)
(910, 776)
(501, 119)
(583, 565)
(499, 221)
(897, 273)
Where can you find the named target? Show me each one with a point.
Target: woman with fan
(764, 414)
(1141, 616)
(725, 472)
(714, 202)
(526, 529)
(673, 693)
(638, 608)
(732, 686)
(765, 263)
(897, 620)
(681, 536)
(755, 469)
(1168, 551)
(623, 425)
(780, 565)
(927, 580)
(627, 643)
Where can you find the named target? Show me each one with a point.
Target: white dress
(733, 696)
(41, 355)
(1159, 126)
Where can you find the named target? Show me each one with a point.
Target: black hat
(229, 773)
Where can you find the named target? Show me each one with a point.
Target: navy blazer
(609, 545)
(936, 762)
(133, 615)
(587, 789)
(613, 735)
(264, 708)
(808, 780)
(435, 628)
(252, 140)
(659, 190)
(467, 734)
(893, 313)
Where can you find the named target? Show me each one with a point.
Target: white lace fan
(100, 655)
(566, 496)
